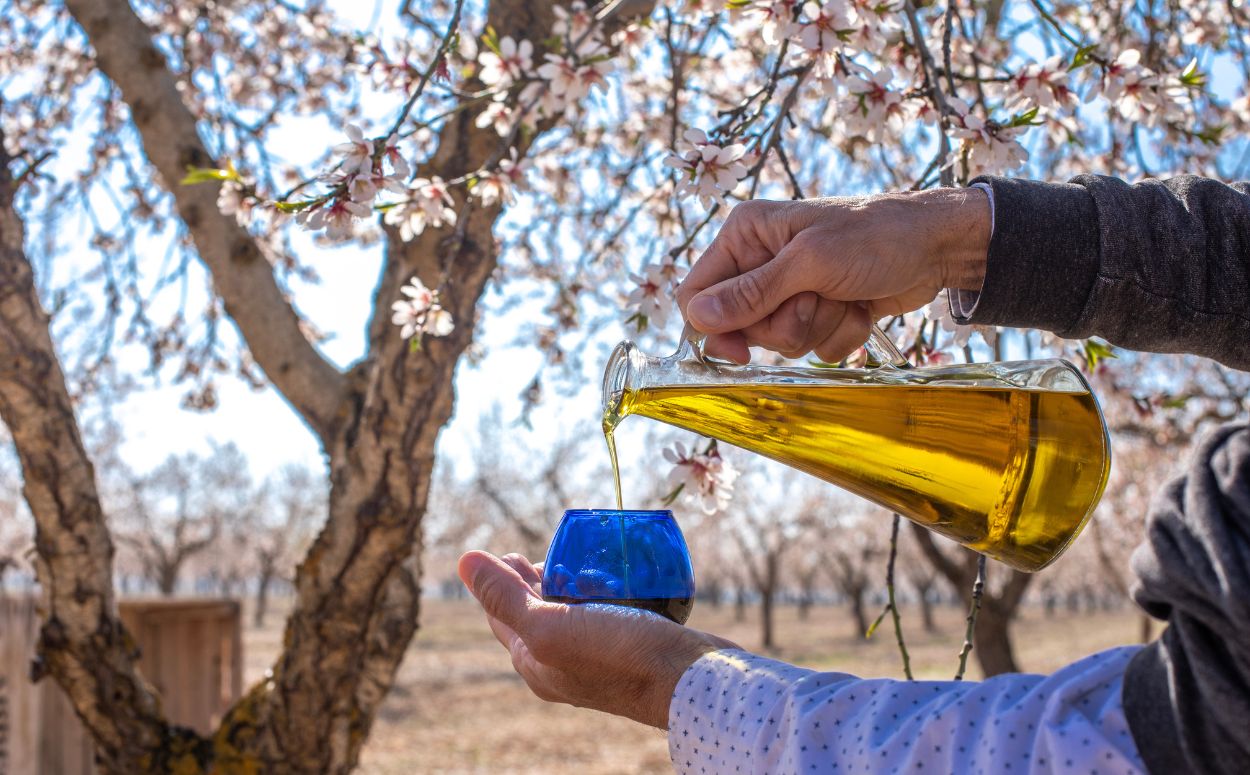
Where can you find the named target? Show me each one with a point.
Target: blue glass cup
(632, 558)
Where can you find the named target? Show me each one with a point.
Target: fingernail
(705, 311)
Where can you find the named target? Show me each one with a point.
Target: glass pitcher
(1008, 459)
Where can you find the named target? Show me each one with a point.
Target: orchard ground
(458, 707)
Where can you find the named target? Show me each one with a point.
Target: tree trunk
(167, 580)
(991, 641)
(859, 614)
(740, 604)
(926, 610)
(768, 592)
(262, 597)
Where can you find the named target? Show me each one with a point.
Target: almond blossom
(1044, 84)
(573, 22)
(421, 312)
(497, 115)
(570, 78)
(989, 147)
(429, 204)
(338, 217)
(232, 199)
(357, 153)
(871, 106)
(502, 184)
(710, 170)
(652, 297)
(939, 310)
(773, 18)
(706, 478)
(822, 32)
(510, 64)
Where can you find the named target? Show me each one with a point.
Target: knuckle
(490, 593)
(749, 292)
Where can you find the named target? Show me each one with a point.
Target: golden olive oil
(610, 422)
(1010, 472)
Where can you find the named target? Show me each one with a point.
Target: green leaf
(1082, 56)
(873, 627)
(210, 175)
(295, 207)
(1095, 351)
(1027, 118)
(671, 498)
(1192, 77)
(735, 4)
(1176, 402)
(491, 39)
(1212, 135)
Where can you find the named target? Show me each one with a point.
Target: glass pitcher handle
(882, 348)
(879, 345)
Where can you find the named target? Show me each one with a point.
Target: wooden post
(191, 651)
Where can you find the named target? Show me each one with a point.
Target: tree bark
(81, 643)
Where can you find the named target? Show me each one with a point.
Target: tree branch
(241, 274)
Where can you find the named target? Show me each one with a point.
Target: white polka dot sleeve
(734, 712)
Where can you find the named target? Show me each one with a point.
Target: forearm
(737, 712)
(1160, 266)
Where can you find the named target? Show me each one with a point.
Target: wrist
(957, 235)
(666, 674)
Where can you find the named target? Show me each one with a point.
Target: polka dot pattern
(735, 712)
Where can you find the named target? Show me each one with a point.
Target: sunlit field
(459, 708)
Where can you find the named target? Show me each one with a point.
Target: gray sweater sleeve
(1160, 266)
(1187, 695)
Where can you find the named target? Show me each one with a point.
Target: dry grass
(458, 707)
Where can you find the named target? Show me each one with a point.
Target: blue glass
(633, 558)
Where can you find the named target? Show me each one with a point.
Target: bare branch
(241, 274)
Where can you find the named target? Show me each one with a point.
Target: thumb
(504, 595)
(734, 304)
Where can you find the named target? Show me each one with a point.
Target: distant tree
(855, 558)
(176, 512)
(291, 502)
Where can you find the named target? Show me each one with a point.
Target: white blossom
(705, 478)
(871, 106)
(651, 296)
(709, 170)
(939, 310)
(357, 153)
(511, 64)
(502, 184)
(421, 312)
(337, 217)
(428, 204)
